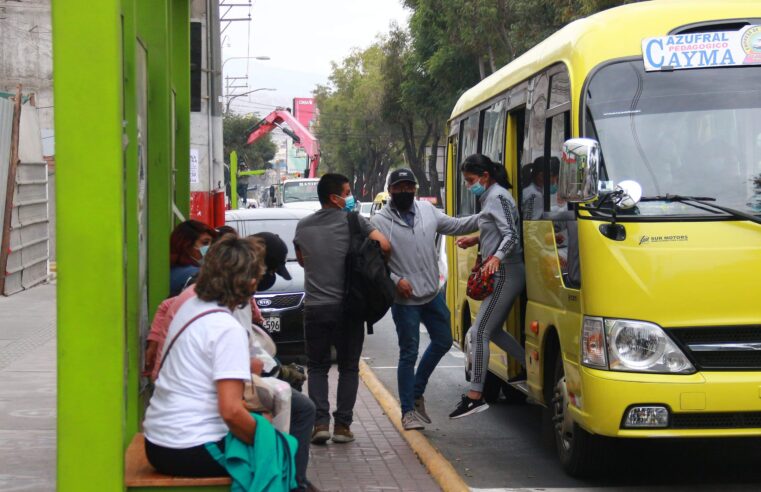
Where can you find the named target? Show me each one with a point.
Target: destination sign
(703, 50)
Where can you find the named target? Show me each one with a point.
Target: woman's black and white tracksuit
(499, 223)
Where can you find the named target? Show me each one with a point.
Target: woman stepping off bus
(500, 246)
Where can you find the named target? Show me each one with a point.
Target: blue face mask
(203, 249)
(349, 203)
(477, 189)
(553, 189)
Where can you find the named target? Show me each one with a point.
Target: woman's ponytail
(479, 163)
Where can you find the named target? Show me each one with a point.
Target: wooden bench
(139, 474)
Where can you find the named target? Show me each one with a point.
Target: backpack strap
(354, 228)
(194, 318)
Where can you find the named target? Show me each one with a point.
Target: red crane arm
(302, 137)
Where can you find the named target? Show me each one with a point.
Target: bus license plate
(272, 324)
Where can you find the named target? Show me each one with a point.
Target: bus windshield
(300, 191)
(684, 132)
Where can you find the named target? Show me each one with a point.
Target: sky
(301, 38)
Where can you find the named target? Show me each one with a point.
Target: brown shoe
(320, 434)
(342, 434)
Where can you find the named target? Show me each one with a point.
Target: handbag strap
(194, 318)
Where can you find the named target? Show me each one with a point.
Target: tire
(579, 452)
(466, 350)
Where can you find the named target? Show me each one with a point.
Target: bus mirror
(579, 170)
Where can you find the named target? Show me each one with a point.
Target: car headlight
(634, 346)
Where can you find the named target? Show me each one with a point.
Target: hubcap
(561, 417)
(468, 361)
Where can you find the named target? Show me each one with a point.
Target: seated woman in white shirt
(205, 362)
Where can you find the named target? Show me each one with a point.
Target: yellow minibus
(636, 135)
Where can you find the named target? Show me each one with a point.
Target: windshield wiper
(677, 198)
(703, 200)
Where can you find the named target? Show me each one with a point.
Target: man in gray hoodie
(412, 227)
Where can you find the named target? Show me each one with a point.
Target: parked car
(282, 305)
(365, 208)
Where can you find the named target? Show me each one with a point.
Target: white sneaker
(420, 410)
(410, 421)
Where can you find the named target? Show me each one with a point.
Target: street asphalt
(503, 448)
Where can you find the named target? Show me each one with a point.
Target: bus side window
(465, 203)
(493, 137)
(532, 178)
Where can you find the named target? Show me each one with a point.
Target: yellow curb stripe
(438, 466)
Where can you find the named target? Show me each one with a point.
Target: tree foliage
(384, 106)
(235, 134)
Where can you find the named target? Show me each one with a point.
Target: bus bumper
(705, 404)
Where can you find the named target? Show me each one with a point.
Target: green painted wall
(87, 50)
(96, 90)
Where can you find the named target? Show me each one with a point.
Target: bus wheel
(577, 449)
(468, 356)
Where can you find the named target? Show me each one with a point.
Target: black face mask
(403, 200)
(267, 281)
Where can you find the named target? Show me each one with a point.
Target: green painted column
(87, 51)
(233, 180)
(133, 406)
(153, 30)
(181, 86)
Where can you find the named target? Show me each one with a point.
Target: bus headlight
(643, 347)
(632, 346)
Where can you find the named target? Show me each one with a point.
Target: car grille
(279, 301)
(723, 420)
(720, 348)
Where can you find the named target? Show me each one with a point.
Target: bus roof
(607, 35)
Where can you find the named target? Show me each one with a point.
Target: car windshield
(285, 228)
(300, 191)
(690, 132)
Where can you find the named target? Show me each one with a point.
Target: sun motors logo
(263, 302)
(647, 239)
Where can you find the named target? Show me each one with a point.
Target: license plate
(272, 324)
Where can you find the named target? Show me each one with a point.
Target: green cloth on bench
(268, 465)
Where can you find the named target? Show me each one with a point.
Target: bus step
(521, 386)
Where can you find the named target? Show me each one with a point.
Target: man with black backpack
(327, 244)
(412, 228)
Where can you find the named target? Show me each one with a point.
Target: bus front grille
(718, 420)
(721, 348)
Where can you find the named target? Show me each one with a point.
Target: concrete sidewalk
(378, 460)
(28, 390)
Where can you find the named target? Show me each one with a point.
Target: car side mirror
(579, 170)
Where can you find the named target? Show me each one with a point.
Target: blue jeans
(435, 316)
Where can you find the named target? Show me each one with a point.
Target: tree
(235, 135)
(354, 139)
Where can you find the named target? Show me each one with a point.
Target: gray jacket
(499, 223)
(414, 256)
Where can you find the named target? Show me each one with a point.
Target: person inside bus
(196, 416)
(532, 195)
(500, 246)
(188, 244)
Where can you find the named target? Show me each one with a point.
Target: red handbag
(480, 284)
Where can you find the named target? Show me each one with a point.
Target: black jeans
(302, 421)
(325, 325)
(189, 462)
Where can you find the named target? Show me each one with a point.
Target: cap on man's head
(276, 253)
(400, 176)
